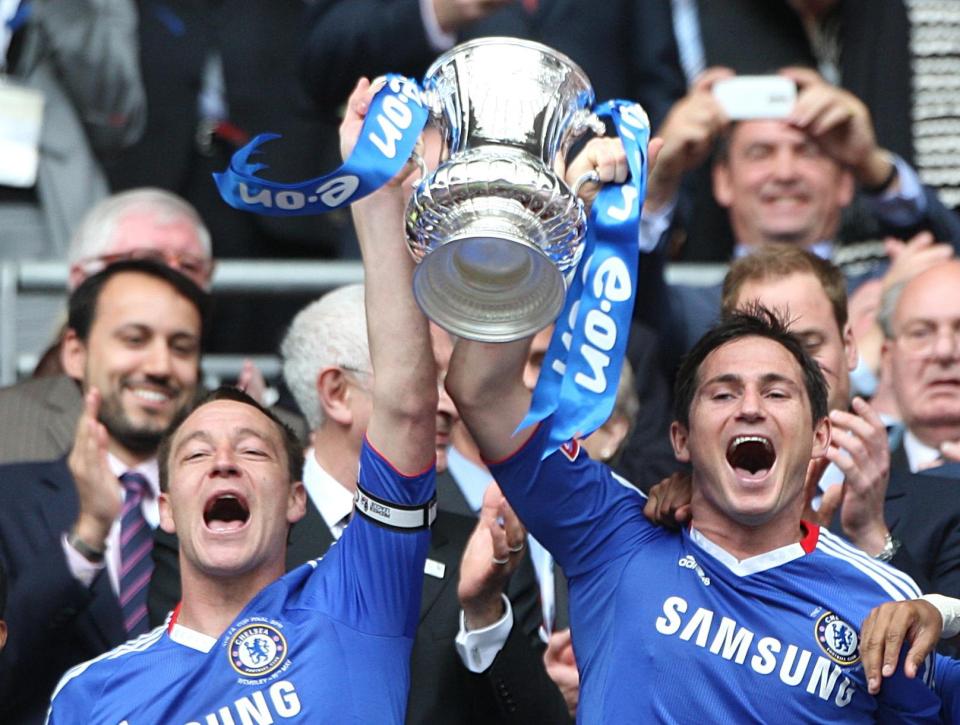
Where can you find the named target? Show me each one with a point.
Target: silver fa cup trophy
(495, 229)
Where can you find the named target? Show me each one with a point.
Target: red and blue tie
(136, 566)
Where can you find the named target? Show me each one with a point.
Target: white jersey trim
(751, 565)
(192, 638)
(144, 641)
(895, 583)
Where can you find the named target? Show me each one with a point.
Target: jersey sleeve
(947, 678)
(372, 577)
(581, 511)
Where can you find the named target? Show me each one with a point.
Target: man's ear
(166, 514)
(850, 347)
(297, 502)
(73, 355)
(3, 633)
(333, 392)
(846, 188)
(821, 438)
(678, 438)
(722, 188)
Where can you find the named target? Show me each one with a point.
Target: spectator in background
(920, 318)
(637, 58)
(907, 88)
(780, 180)
(75, 533)
(79, 59)
(137, 224)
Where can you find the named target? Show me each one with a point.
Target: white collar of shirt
(471, 479)
(192, 638)
(752, 564)
(919, 455)
(331, 498)
(823, 249)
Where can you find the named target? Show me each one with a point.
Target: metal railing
(18, 280)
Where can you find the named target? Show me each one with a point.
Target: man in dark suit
(74, 532)
(327, 367)
(140, 223)
(920, 318)
(637, 58)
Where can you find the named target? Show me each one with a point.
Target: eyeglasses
(199, 269)
(922, 338)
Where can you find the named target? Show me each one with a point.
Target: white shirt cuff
(654, 224)
(905, 206)
(82, 570)
(949, 609)
(439, 41)
(478, 648)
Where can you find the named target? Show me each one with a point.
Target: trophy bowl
(494, 228)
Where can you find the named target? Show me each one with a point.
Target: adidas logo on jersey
(688, 562)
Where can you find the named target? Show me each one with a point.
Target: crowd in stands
(772, 507)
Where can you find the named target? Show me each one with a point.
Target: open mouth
(226, 512)
(751, 456)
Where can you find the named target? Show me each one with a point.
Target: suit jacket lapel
(450, 497)
(896, 499)
(449, 556)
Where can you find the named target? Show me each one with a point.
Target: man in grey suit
(138, 224)
(81, 57)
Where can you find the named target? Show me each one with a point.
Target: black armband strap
(393, 515)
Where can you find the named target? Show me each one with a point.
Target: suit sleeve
(351, 38)
(524, 693)
(583, 514)
(95, 48)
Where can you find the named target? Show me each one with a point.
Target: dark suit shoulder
(40, 416)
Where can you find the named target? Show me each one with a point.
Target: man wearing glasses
(921, 323)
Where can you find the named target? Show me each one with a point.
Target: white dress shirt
(920, 456)
(332, 499)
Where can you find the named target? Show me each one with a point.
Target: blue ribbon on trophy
(579, 377)
(388, 136)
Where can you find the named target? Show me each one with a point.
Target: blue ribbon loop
(579, 376)
(389, 133)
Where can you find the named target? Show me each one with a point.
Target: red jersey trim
(811, 536)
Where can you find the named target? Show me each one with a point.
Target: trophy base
(489, 288)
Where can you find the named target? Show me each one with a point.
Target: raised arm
(402, 426)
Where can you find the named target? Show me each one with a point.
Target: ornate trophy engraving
(494, 228)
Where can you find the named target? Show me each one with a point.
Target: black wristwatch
(84, 549)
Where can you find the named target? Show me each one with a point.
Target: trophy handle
(590, 177)
(422, 165)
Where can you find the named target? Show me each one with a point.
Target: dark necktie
(136, 566)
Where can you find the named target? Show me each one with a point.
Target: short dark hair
(777, 260)
(291, 445)
(753, 321)
(82, 306)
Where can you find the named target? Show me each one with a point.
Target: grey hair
(888, 306)
(329, 331)
(94, 235)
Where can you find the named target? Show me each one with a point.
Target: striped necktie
(136, 566)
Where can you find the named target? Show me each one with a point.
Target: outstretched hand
(884, 631)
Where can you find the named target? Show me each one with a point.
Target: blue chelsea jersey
(669, 628)
(329, 642)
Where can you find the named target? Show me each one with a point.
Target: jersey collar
(760, 562)
(188, 637)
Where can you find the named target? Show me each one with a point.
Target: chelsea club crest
(257, 650)
(838, 639)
